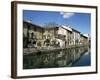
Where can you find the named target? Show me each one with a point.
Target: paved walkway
(47, 49)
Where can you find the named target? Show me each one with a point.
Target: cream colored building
(56, 36)
(76, 37)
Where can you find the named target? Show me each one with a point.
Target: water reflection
(59, 58)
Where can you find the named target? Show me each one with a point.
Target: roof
(66, 27)
(29, 22)
(75, 30)
(84, 36)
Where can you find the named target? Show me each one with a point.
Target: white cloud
(67, 14)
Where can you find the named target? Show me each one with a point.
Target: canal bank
(28, 51)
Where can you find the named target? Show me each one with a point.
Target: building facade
(32, 34)
(84, 39)
(61, 36)
(76, 37)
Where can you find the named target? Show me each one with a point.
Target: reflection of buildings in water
(61, 58)
(88, 51)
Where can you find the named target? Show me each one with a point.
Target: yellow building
(32, 34)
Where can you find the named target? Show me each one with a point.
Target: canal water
(70, 57)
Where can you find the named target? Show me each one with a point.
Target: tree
(51, 24)
(47, 42)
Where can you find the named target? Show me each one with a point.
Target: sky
(78, 21)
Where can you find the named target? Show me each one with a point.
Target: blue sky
(79, 21)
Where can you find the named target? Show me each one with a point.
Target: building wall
(64, 35)
(76, 37)
(61, 31)
(32, 34)
(84, 40)
(38, 31)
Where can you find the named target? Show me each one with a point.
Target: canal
(70, 57)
